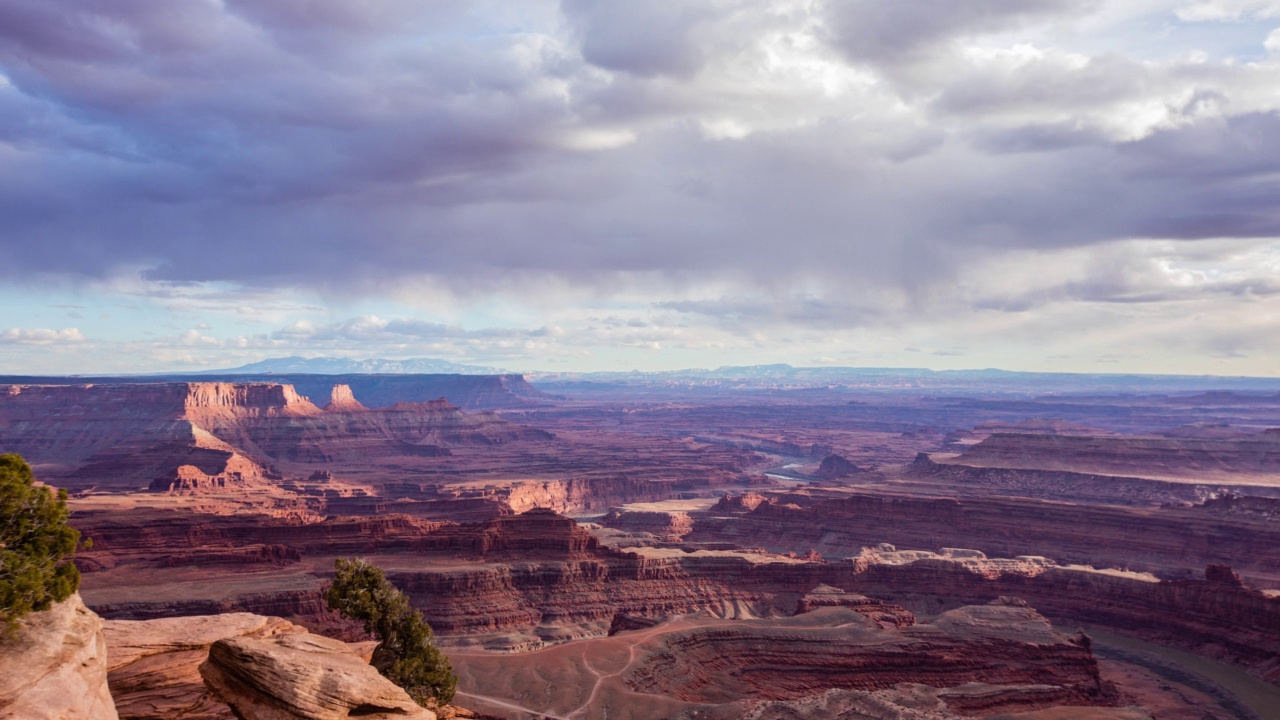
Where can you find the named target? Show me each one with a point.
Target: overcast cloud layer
(1030, 184)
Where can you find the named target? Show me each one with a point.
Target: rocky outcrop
(341, 399)
(154, 664)
(834, 467)
(746, 502)
(884, 614)
(55, 668)
(210, 465)
(540, 533)
(302, 677)
(666, 525)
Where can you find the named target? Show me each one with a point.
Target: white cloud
(1272, 43)
(1227, 10)
(41, 336)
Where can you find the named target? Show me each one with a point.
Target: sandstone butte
(192, 437)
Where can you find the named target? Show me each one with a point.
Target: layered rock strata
(670, 526)
(526, 581)
(1243, 532)
(1008, 646)
(1110, 469)
(884, 614)
(1154, 457)
(829, 663)
(1073, 486)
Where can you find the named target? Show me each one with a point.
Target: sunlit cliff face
(1051, 184)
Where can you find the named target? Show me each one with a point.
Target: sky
(1057, 185)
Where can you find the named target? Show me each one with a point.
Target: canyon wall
(524, 581)
(1169, 541)
(1075, 486)
(1153, 457)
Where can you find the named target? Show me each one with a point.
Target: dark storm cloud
(327, 144)
(640, 38)
(1218, 178)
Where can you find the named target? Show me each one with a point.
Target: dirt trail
(509, 706)
(632, 639)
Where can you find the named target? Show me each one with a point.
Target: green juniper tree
(406, 654)
(36, 544)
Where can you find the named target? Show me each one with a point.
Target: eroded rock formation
(834, 467)
(302, 677)
(662, 524)
(154, 664)
(884, 614)
(55, 668)
(525, 581)
(1169, 541)
(997, 645)
(189, 437)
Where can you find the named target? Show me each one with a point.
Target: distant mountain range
(348, 366)
(872, 379)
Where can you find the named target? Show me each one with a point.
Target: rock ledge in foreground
(302, 677)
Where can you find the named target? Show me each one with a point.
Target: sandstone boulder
(302, 677)
(154, 664)
(56, 667)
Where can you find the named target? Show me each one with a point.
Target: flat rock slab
(154, 664)
(303, 677)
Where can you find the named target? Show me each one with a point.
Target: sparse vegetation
(36, 544)
(406, 654)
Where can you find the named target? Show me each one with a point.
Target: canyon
(653, 551)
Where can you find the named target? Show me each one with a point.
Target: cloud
(644, 39)
(331, 147)
(1227, 10)
(892, 33)
(40, 336)
(724, 170)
